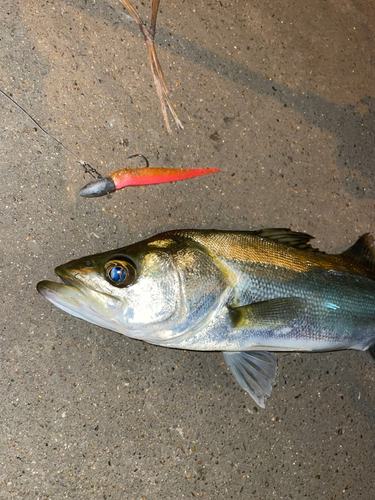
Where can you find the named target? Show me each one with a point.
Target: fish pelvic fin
(254, 371)
(362, 253)
(267, 315)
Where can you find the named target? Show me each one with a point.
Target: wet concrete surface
(281, 97)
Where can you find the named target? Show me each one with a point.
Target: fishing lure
(140, 177)
(124, 177)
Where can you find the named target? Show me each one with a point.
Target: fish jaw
(81, 301)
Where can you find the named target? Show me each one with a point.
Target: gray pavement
(281, 97)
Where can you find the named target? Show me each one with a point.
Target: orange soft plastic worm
(140, 177)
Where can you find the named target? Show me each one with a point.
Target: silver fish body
(243, 293)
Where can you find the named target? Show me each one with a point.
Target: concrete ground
(281, 97)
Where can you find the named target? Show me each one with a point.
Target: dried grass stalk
(160, 84)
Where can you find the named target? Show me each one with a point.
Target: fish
(249, 294)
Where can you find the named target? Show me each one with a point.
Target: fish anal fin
(362, 253)
(371, 352)
(268, 314)
(254, 371)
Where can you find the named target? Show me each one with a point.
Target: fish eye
(119, 273)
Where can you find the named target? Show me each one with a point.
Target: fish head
(154, 290)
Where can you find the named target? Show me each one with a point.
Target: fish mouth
(78, 299)
(70, 286)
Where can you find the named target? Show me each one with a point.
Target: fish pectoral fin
(268, 314)
(254, 371)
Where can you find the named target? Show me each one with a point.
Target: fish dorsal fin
(254, 371)
(287, 237)
(362, 253)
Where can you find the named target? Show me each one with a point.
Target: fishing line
(87, 167)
